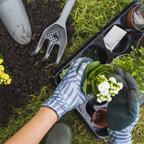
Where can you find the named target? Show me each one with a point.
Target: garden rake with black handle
(56, 34)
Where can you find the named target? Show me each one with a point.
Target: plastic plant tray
(95, 49)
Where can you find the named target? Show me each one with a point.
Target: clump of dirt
(28, 74)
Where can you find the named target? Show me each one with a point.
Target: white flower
(120, 85)
(108, 88)
(99, 100)
(109, 99)
(105, 92)
(111, 91)
(112, 79)
(98, 95)
(116, 92)
(104, 85)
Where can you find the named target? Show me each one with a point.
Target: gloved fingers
(82, 61)
(118, 78)
(133, 96)
(119, 71)
(133, 104)
(82, 66)
(131, 82)
(81, 70)
(76, 64)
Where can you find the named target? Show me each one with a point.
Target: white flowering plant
(98, 80)
(107, 88)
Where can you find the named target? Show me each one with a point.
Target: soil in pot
(135, 17)
(28, 73)
(99, 118)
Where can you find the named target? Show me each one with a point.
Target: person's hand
(68, 95)
(124, 107)
(123, 110)
(122, 136)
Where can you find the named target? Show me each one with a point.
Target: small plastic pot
(96, 52)
(140, 42)
(138, 45)
(99, 118)
(123, 45)
(135, 17)
(15, 19)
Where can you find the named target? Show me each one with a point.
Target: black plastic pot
(123, 46)
(87, 110)
(130, 17)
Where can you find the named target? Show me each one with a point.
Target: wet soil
(28, 74)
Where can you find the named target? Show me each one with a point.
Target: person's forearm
(35, 129)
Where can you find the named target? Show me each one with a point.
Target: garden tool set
(14, 17)
(56, 34)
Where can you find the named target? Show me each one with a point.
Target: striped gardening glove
(68, 95)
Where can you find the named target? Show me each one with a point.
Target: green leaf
(99, 69)
(91, 67)
(93, 86)
(84, 87)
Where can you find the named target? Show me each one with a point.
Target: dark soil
(28, 73)
(100, 118)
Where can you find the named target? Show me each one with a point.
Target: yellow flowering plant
(4, 77)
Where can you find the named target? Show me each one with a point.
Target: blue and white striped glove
(68, 95)
(123, 136)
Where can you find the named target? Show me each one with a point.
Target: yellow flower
(8, 81)
(1, 68)
(5, 76)
(1, 61)
(1, 80)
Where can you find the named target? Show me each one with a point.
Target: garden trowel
(14, 17)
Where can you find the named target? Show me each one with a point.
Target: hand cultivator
(56, 34)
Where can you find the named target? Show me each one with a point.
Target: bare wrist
(49, 112)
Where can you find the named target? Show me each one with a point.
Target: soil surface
(28, 73)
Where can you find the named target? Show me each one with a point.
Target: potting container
(135, 17)
(140, 42)
(96, 47)
(99, 118)
(87, 111)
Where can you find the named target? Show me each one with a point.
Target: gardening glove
(123, 136)
(124, 108)
(68, 95)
